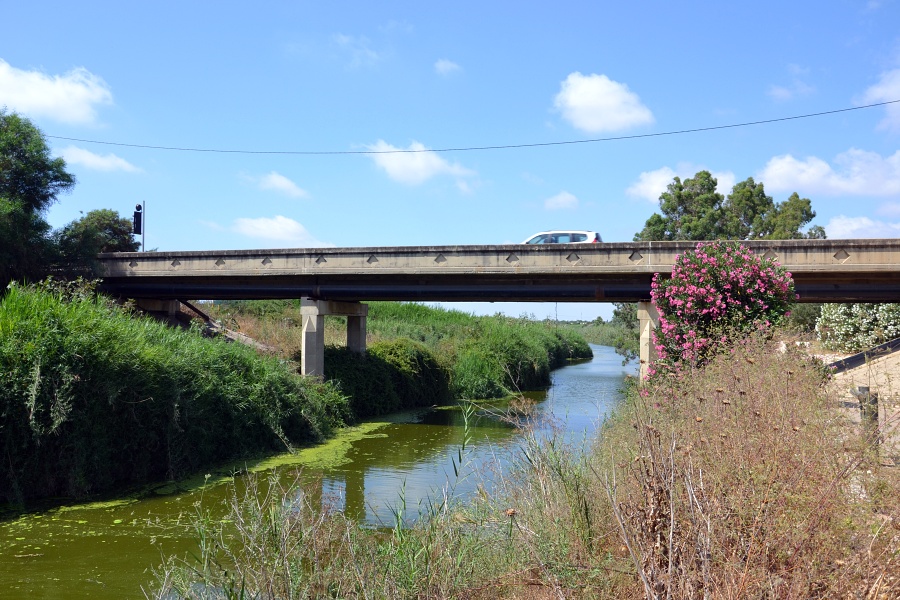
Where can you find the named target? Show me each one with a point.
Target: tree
(691, 210)
(28, 174)
(102, 230)
(30, 181)
(694, 210)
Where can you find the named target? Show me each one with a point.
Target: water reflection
(106, 550)
(413, 455)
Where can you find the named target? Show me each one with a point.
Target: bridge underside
(872, 287)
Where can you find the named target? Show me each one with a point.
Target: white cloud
(797, 87)
(358, 50)
(446, 67)
(107, 162)
(856, 172)
(281, 230)
(70, 98)
(277, 182)
(415, 164)
(887, 89)
(651, 184)
(784, 93)
(561, 201)
(595, 103)
(843, 227)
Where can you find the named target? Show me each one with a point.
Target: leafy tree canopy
(30, 180)
(693, 210)
(28, 174)
(102, 230)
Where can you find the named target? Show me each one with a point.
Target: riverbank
(95, 399)
(738, 481)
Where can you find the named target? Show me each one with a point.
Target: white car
(567, 236)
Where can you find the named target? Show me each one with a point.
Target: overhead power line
(495, 147)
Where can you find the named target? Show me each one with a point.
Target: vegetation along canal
(109, 550)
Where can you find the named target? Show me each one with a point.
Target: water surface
(107, 550)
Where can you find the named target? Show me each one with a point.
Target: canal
(109, 549)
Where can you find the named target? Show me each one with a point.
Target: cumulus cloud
(855, 172)
(277, 232)
(887, 89)
(413, 165)
(596, 103)
(277, 182)
(446, 67)
(651, 184)
(74, 155)
(561, 201)
(843, 227)
(71, 98)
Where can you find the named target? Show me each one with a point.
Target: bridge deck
(823, 270)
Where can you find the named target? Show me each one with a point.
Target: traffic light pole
(139, 222)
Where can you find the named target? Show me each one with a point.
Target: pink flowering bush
(716, 294)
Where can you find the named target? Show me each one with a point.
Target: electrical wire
(473, 148)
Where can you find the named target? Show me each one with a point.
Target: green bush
(484, 357)
(93, 399)
(393, 375)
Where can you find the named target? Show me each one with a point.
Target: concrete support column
(356, 333)
(168, 307)
(312, 350)
(312, 344)
(648, 317)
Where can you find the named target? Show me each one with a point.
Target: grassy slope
(92, 399)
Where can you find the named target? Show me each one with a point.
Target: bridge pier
(648, 318)
(312, 349)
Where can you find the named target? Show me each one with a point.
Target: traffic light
(138, 220)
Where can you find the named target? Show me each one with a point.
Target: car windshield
(540, 239)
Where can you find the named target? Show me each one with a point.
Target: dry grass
(284, 332)
(741, 480)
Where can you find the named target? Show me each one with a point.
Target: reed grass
(741, 479)
(94, 399)
(484, 357)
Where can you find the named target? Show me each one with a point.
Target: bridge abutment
(648, 318)
(313, 312)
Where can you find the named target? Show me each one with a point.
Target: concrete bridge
(336, 280)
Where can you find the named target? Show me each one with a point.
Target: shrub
(93, 399)
(854, 327)
(393, 375)
(716, 293)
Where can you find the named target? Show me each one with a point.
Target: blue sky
(330, 84)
